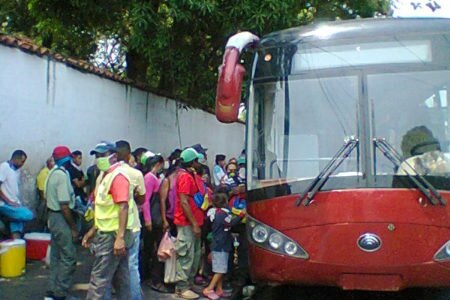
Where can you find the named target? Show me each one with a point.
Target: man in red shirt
(188, 218)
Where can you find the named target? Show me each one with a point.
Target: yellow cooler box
(12, 258)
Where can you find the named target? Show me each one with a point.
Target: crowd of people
(122, 209)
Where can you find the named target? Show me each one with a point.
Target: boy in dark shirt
(77, 175)
(221, 244)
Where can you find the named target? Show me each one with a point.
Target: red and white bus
(348, 152)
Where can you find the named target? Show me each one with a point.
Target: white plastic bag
(170, 268)
(47, 256)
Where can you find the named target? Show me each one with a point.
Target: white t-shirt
(9, 179)
(136, 181)
(218, 175)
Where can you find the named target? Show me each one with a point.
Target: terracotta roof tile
(27, 45)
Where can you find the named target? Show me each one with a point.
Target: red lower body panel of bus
(410, 231)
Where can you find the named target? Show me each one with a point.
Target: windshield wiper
(308, 195)
(430, 192)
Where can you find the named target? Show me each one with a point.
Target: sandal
(199, 280)
(223, 293)
(210, 294)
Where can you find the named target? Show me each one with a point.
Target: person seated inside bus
(422, 154)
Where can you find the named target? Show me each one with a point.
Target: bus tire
(266, 292)
(441, 294)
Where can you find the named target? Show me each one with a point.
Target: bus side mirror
(229, 86)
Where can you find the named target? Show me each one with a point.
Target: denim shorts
(220, 262)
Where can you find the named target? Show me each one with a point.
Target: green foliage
(175, 46)
(15, 17)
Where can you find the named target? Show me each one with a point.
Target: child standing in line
(222, 243)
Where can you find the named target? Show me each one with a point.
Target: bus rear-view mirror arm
(231, 75)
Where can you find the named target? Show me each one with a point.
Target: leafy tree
(174, 46)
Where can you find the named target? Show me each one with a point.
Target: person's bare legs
(219, 286)
(217, 278)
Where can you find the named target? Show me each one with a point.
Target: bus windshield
(298, 125)
(322, 95)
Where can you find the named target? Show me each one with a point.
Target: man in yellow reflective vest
(111, 234)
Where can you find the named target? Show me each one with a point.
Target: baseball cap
(199, 148)
(60, 152)
(189, 155)
(146, 155)
(103, 147)
(241, 160)
(139, 151)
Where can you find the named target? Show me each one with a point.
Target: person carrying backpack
(188, 218)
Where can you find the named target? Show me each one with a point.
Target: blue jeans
(16, 215)
(133, 265)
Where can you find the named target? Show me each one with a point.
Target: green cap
(241, 160)
(145, 156)
(189, 155)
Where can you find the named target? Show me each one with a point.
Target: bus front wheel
(266, 292)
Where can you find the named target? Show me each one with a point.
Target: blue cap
(199, 148)
(103, 147)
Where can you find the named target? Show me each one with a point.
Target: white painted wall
(44, 103)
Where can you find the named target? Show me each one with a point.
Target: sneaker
(49, 295)
(161, 288)
(210, 294)
(227, 287)
(189, 295)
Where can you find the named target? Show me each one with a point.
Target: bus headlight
(443, 253)
(272, 240)
(275, 240)
(290, 248)
(260, 234)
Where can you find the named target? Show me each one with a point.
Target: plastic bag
(170, 268)
(166, 248)
(89, 214)
(48, 255)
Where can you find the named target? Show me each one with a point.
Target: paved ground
(32, 285)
